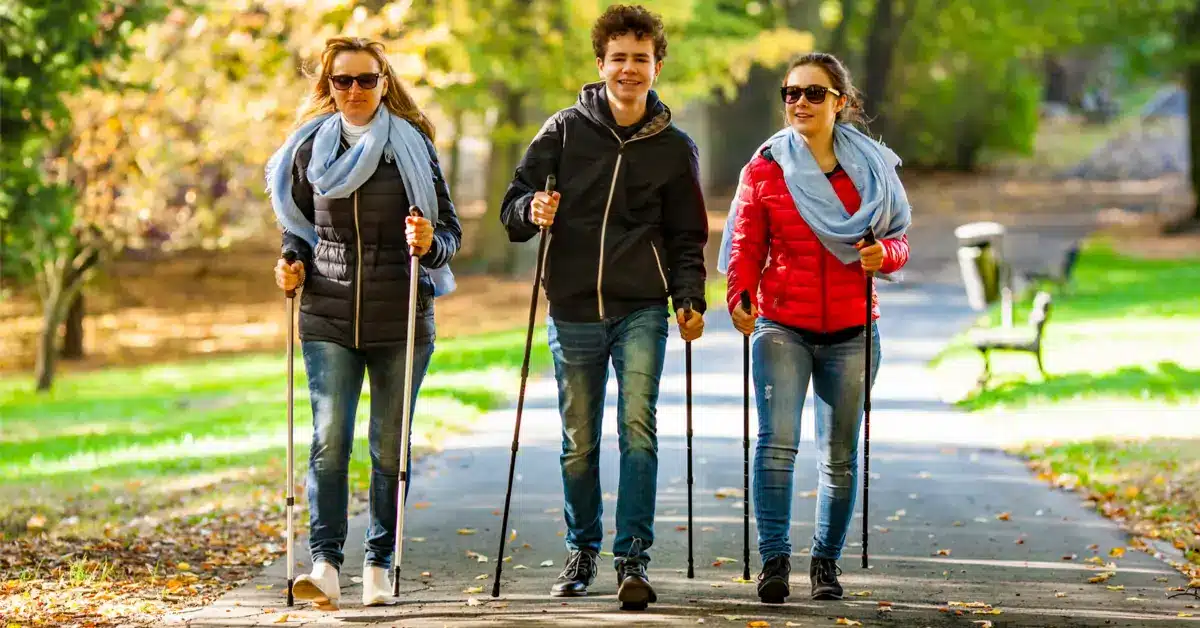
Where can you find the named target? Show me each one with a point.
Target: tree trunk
(73, 338)
(47, 349)
(455, 152)
(881, 48)
(838, 45)
(740, 125)
(1191, 33)
(496, 253)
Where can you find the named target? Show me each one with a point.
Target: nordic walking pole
(746, 444)
(512, 463)
(290, 257)
(687, 315)
(869, 239)
(406, 422)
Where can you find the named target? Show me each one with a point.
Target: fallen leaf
(418, 539)
(1101, 577)
(507, 559)
(473, 590)
(281, 619)
(547, 563)
(1116, 587)
(739, 580)
(496, 512)
(264, 587)
(466, 531)
(758, 624)
(1136, 599)
(481, 576)
(1059, 594)
(421, 505)
(969, 604)
(183, 567)
(1095, 560)
(1004, 516)
(942, 552)
(1183, 614)
(808, 494)
(520, 567)
(1116, 552)
(426, 574)
(36, 522)
(1093, 546)
(681, 528)
(861, 593)
(958, 524)
(842, 621)
(725, 492)
(472, 601)
(708, 529)
(983, 623)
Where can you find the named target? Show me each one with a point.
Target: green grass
(1125, 328)
(1153, 485)
(97, 435)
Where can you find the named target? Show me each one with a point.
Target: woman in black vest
(341, 187)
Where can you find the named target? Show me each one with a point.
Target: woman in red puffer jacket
(796, 247)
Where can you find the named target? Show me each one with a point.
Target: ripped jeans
(784, 362)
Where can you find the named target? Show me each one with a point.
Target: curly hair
(621, 19)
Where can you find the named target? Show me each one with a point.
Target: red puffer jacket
(792, 277)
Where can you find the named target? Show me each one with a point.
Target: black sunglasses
(342, 82)
(814, 93)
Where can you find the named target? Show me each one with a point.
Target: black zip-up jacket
(631, 224)
(356, 282)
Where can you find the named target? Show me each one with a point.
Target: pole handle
(289, 256)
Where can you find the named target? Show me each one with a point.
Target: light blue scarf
(338, 176)
(872, 168)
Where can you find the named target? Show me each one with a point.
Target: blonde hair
(396, 99)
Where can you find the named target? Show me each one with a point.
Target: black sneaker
(773, 581)
(576, 576)
(633, 585)
(824, 572)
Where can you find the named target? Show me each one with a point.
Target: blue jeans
(335, 379)
(783, 365)
(637, 345)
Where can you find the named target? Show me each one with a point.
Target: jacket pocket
(658, 262)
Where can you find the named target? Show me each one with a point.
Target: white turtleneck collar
(353, 133)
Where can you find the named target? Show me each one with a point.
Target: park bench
(1021, 339)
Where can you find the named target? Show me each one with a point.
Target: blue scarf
(338, 176)
(872, 168)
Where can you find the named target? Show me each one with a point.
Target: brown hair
(853, 112)
(397, 100)
(620, 19)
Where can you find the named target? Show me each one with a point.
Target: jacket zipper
(357, 271)
(612, 187)
(658, 262)
(822, 300)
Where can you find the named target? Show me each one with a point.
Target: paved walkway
(954, 519)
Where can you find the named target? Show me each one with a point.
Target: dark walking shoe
(773, 580)
(824, 572)
(633, 585)
(576, 576)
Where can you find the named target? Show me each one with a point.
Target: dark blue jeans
(783, 365)
(335, 379)
(636, 345)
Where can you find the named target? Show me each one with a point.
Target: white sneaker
(321, 586)
(377, 590)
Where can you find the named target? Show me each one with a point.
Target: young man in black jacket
(627, 230)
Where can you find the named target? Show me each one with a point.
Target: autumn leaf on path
(473, 590)
(758, 624)
(1101, 577)
(466, 531)
(842, 621)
